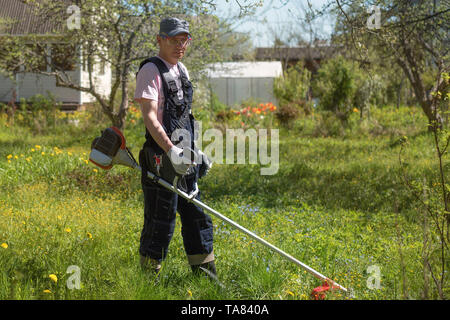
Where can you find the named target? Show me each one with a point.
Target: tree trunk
(424, 98)
(399, 91)
(123, 110)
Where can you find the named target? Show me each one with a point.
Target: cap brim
(177, 31)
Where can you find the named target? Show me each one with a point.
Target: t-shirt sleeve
(148, 83)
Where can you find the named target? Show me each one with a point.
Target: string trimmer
(111, 149)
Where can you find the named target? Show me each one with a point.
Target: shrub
(216, 105)
(287, 114)
(335, 86)
(328, 125)
(38, 112)
(293, 85)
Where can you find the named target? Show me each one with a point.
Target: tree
(410, 34)
(116, 33)
(335, 85)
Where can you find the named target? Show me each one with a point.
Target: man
(164, 92)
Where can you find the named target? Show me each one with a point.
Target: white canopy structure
(234, 82)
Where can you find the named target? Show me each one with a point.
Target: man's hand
(181, 160)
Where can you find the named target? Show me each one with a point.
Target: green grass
(334, 204)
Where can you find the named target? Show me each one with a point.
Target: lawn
(337, 203)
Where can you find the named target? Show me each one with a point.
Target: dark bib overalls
(160, 204)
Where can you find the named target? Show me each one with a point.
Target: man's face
(174, 47)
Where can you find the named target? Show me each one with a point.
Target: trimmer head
(109, 149)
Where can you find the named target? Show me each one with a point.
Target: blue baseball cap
(170, 27)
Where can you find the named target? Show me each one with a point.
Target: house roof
(245, 69)
(22, 19)
(311, 52)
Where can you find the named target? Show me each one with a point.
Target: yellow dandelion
(69, 153)
(9, 156)
(16, 157)
(89, 235)
(47, 291)
(32, 150)
(53, 277)
(355, 110)
(68, 230)
(9, 161)
(28, 159)
(4, 245)
(190, 293)
(38, 147)
(95, 170)
(87, 161)
(290, 293)
(43, 153)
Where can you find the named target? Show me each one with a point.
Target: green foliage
(412, 41)
(127, 29)
(216, 105)
(293, 85)
(42, 115)
(335, 86)
(287, 114)
(337, 205)
(291, 91)
(38, 112)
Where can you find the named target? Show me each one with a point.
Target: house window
(63, 57)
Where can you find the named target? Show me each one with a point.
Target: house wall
(232, 91)
(102, 82)
(30, 84)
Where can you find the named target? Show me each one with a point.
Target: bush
(38, 112)
(216, 105)
(293, 85)
(328, 125)
(335, 86)
(292, 88)
(287, 114)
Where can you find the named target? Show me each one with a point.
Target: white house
(26, 83)
(234, 82)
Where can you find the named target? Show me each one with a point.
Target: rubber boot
(199, 269)
(207, 269)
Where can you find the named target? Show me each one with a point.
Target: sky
(278, 17)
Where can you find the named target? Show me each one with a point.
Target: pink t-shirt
(149, 84)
